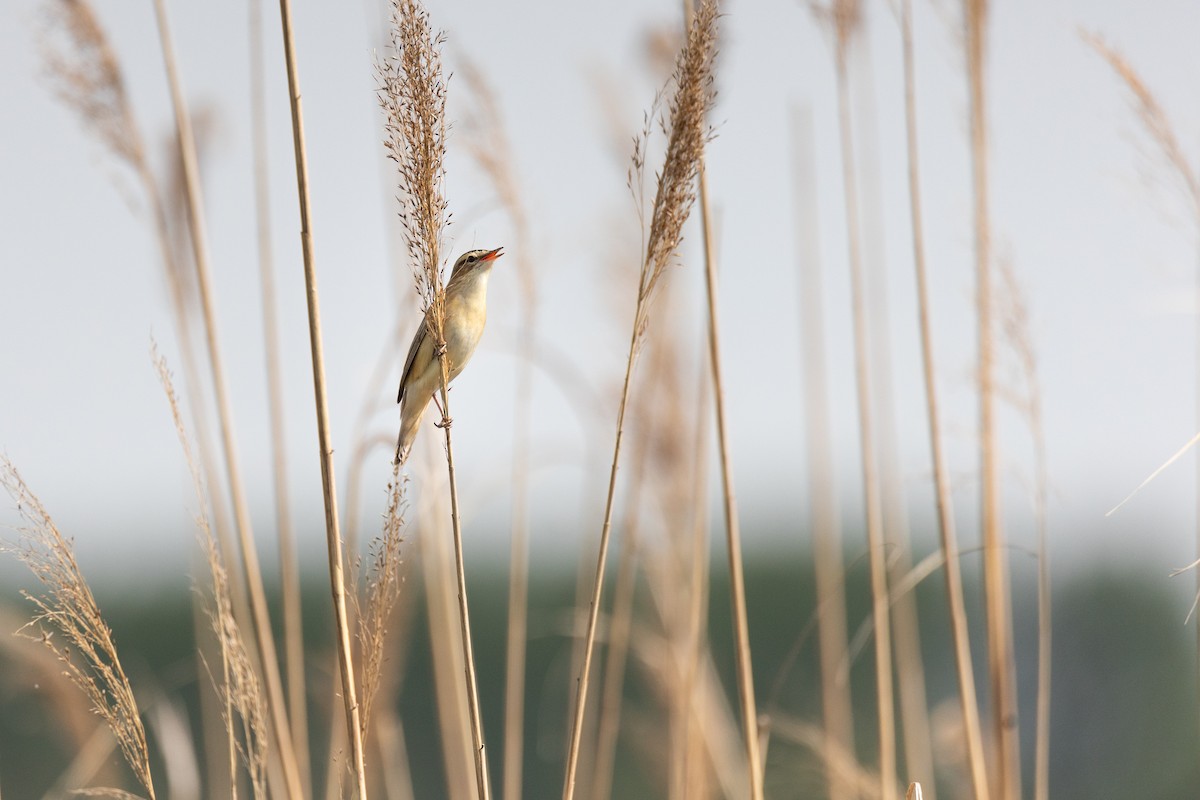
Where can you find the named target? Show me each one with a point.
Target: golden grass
(333, 537)
(68, 610)
(947, 532)
(382, 590)
(239, 686)
(687, 130)
(844, 18)
(412, 94)
(1006, 768)
(710, 747)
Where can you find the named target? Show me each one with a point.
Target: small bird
(466, 313)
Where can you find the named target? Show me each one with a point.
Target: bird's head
(473, 261)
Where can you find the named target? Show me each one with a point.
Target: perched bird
(466, 313)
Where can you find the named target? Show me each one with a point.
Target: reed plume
(67, 609)
(412, 94)
(687, 130)
(381, 593)
(240, 688)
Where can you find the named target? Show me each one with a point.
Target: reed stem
(199, 239)
(328, 478)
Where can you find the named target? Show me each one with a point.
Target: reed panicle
(686, 128)
(412, 94)
(68, 610)
(85, 73)
(382, 590)
(240, 688)
(1153, 118)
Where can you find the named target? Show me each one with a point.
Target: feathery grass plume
(687, 130)
(733, 536)
(412, 94)
(1154, 119)
(68, 609)
(382, 591)
(239, 688)
(86, 75)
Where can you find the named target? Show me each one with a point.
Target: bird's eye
(470, 259)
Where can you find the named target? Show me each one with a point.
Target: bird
(465, 315)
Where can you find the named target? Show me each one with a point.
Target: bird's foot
(440, 350)
(445, 423)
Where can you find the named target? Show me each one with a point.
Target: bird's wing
(418, 339)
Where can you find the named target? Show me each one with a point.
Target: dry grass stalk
(491, 151)
(690, 779)
(68, 610)
(945, 509)
(239, 687)
(649, 445)
(199, 239)
(687, 131)
(293, 625)
(845, 17)
(413, 96)
(333, 538)
(382, 592)
(1001, 657)
(1015, 324)
(733, 537)
(87, 76)
(824, 513)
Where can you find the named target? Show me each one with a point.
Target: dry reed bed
(714, 746)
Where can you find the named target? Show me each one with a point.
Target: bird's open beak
(492, 256)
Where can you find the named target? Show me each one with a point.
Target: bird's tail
(409, 425)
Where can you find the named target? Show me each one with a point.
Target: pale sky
(1106, 258)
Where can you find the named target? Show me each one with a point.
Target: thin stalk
(829, 564)
(912, 700)
(733, 539)
(1001, 659)
(258, 600)
(879, 592)
(293, 627)
(518, 586)
(941, 473)
(737, 581)
(1041, 782)
(328, 478)
(619, 627)
(686, 133)
(686, 782)
(483, 783)
(445, 648)
(597, 590)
